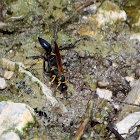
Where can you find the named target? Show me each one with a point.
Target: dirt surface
(108, 57)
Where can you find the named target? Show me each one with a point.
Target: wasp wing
(59, 62)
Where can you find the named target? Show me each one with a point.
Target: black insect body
(45, 45)
(54, 64)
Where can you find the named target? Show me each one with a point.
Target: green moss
(64, 38)
(20, 133)
(9, 1)
(89, 80)
(54, 9)
(93, 85)
(133, 13)
(21, 8)
(101, 129)
(110, 6)
(133, 2)
(16, 70)
(3, 98)
(28, 125)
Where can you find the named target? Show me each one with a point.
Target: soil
(108, 57)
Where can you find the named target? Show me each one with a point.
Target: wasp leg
(54, 76)
(33, 57)
(59, 83)
(70, 46)
(49, 65)
(31, 65)
(53, 54)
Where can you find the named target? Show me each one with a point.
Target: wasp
(55, 67)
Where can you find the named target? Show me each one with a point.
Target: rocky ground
(102, 70)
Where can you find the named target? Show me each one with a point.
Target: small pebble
(8, 74)
(107, 63)
(3, 83)
(103, 84)
(81, 53)
(103, 93)
(71, 123)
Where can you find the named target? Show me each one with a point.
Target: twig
(126, 103)
(85, 4)
(1, 8)
(115, 132)
(81, 129)
(69, 46)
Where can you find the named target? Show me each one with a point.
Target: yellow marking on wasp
(52, 69)
(53, 54)
(54, 76)
(59, 83)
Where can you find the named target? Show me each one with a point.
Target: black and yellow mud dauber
(55, 68)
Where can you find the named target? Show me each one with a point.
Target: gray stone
(133, 97)
(10, 136)
(14, 116)
(135, 36)
(109, 13)
(104, 93)
(128, 122)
